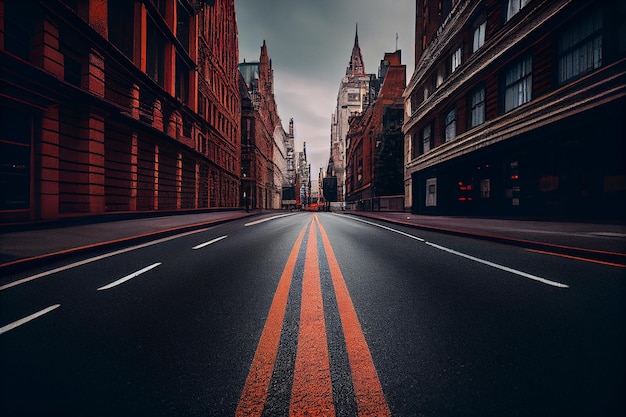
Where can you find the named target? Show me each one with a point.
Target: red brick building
(517, 107)
(374, 143)
(259, 121)
(116, 106)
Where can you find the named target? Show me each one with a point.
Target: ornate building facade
(356, 91)
(117, 106)
(517, 108)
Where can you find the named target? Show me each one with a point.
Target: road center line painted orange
(312, 392)
(312, 386)
(257, 384)
(369, 395)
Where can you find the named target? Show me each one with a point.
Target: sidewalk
(32, 243)
(27, 245)
(598, 241)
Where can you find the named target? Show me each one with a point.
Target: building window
(518, 84)
(353, 96)
(455, 60)
(477, 110)
(451, 125)
(426, 137)
(155, 54)
(479, 36)
(182, 26)
(580, 47)
(182, 81)
(514, 6)
(121, 24)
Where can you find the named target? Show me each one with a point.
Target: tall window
(155, 54)
(580, 47)
(182, 29)
(426, 139)
(477, 109)
(451, 125)
(455, 60)
(514, 6)
(479, 36)
(182, 81)
(518, 84)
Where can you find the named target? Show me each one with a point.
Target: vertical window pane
(479, 36)
(518, 84)
(426, 139)
(451, 125)
(478, 108)
(580, 47)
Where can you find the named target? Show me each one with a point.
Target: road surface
(313, 314)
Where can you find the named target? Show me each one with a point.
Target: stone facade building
(516, 108)
(356, 91)
(374, 144)
(117, 106)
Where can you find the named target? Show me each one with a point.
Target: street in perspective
(313, 314)
(354, 208)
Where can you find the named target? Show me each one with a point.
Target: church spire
(356, 66)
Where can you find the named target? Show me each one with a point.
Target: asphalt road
(313, 313)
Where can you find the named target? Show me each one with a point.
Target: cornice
(494, 48)
(596, 89)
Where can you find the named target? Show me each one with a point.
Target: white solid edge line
(210, 242)
(482, 261)
(268, 219)
(25, 320)
(389, 228)
(96, 258)
(498, 266)
(129, 277)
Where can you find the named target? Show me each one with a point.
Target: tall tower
(356, 91)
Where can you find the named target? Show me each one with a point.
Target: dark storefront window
(20, 19)
(15, 147)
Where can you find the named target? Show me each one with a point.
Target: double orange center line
(311, 392)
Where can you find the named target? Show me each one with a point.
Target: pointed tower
(356, 66)
(266, 73)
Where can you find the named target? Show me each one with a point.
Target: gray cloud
(310, 43)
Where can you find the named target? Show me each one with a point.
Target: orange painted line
(312, 392)
(368, 392)
(255, 390)
(577, 258)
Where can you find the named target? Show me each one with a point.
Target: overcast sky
(310, 44)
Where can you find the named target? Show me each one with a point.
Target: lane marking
(210, 242)
(389, 229)
(129, 277)
(257, 384)
(97, 258)
(25, 320)
(578, 258)
(368, 391)
(267, 219)
(473, 258)
(498, 266)
(312, 391)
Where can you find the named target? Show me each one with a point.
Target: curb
(614, 258)
(54, 256)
